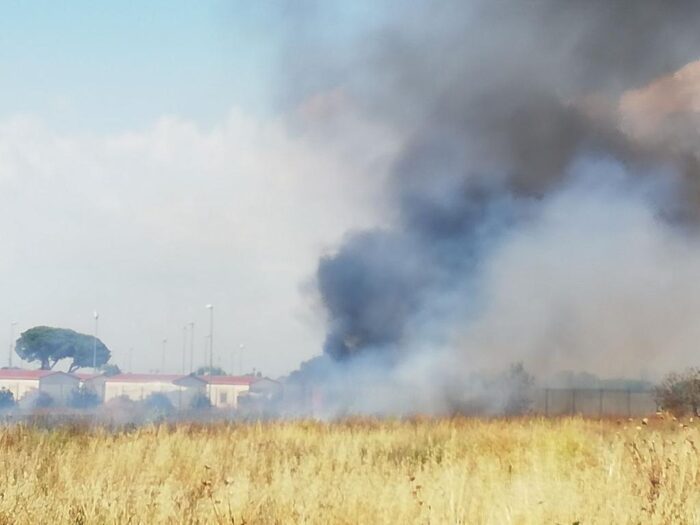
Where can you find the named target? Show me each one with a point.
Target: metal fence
(548, 402)
(593, 402)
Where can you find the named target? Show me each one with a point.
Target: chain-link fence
(593, 402)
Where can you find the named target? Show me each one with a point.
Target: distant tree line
(213, 371)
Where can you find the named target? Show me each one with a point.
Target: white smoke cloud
(596, 281)
(593, 278)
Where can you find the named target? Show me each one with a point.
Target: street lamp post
(210, 307)
(94, 344)
(162, 359)
(184, 348)
(192, 347)
(12, 343)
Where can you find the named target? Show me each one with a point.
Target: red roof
(86, 377)
(144, 378)
(16, 373)
(229, 380)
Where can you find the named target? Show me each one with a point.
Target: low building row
(221, 391)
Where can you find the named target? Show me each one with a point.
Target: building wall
(180, 396)
(97, 385)
(59, 387)
(266, 387)
(225, 396)
(19, 387)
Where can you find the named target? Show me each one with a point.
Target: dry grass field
(362, 471)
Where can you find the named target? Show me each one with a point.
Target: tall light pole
(12, 343)
(191, 347)
(241, 347)
(210, 307)
(184, 348)
(162, 359)
(94, 344)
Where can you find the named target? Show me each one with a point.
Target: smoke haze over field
(434, 189)
(526, 221)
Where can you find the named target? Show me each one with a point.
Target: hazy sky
(148, 167)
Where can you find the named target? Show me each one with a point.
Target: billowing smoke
(527, 223)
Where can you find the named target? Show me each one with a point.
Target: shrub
(42, 400)
(7, 399)
(518, 388)
(83, 398)
(200, 401)
(679, 393)
(159, 403)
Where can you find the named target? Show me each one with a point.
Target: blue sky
(106, 66)
(114, 65)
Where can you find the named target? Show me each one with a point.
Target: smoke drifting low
(527, 224)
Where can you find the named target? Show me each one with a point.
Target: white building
(27, 383)
(93, 382)
(223, 391)
(180, 389)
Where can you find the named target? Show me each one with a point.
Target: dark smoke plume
(498, 103)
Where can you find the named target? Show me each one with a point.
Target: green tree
(214, 371)
(84, 347)
(110, 369)
(50, 345)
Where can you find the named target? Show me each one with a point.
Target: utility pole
(12, 343)
(192, 347)
(162, 359)
(184, 348)
(241, 348)
(94, 344)
(210, 307)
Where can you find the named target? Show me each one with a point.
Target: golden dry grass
(424, 471)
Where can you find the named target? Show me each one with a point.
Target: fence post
(573, 401)
(546, 402)
(600, 403)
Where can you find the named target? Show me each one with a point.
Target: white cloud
(150, 225)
